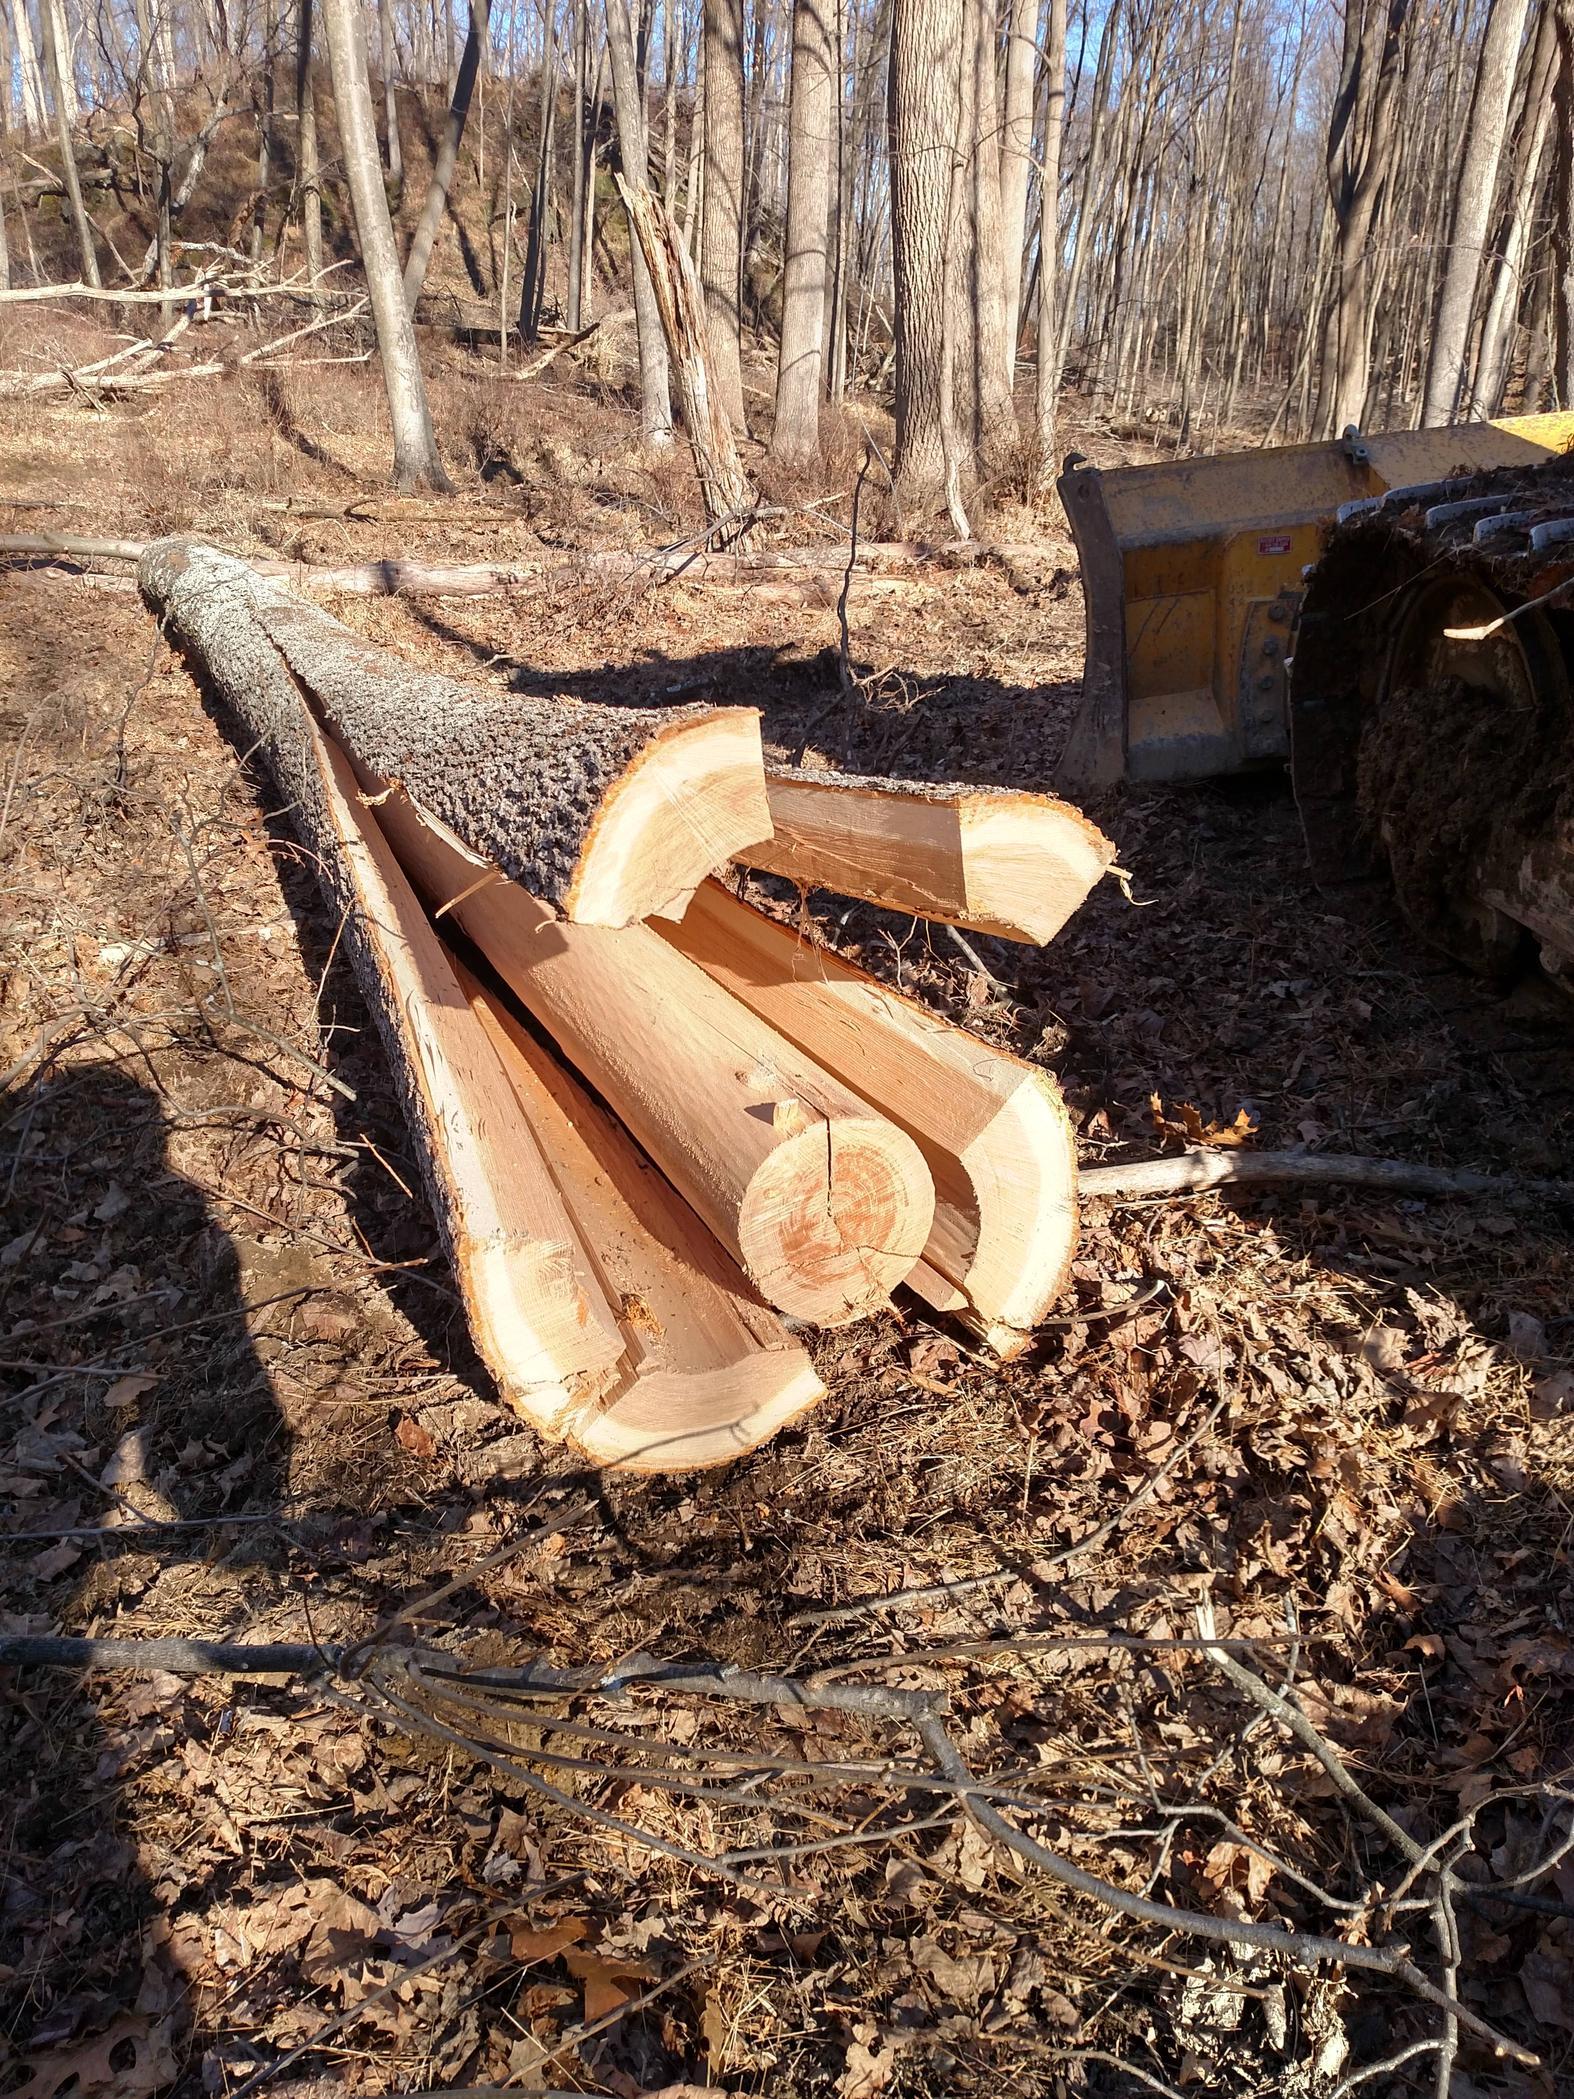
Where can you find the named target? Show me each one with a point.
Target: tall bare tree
(1448, 366)
(721, 203)
(1016, 156)
(1046, 404)
(416, 458)
(389, 44)
(30, 79)
(811, 148)
(435, 202)
(925, 107)
(56, 70)
(308, 171)
(655, 412)
(1361, 140)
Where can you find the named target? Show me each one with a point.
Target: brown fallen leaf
(608, 1984)
(415, 1439)
(547, 1942)
(131, 2057)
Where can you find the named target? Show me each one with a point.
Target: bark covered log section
(655, 1124)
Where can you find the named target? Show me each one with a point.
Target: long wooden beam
(994, 1130)
(824, 1204)
(988, 858)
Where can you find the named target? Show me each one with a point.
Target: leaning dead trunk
(447, 160)
(724, 485)
(605, 813)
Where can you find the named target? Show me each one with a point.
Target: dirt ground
(241, 1402)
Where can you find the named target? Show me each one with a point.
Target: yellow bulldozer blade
(1192, 575)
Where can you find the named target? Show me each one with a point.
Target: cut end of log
(835, 1217)
(693, 799)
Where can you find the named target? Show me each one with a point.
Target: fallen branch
(20, 385)
(1199, 1170)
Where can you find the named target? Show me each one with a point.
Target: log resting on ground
(605, 813)
(1016, 865)
(824, 1204)
(994, 1131)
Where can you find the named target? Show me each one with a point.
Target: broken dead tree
(994, 1131)
(605, 813)
(990, 859)
(708, 1371)
(825, 1205)
(725, 490)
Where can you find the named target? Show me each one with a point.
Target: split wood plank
(993, 1129)
(709, 1371)
(824, 1204)
(607, 813)
(996, 861)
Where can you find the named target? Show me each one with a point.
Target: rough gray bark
(721, 203)
(633, 146)
(55, 65)
(1448, 366)
(813, 118)
(518, 779)
(1524, 195)
(416, 458)
(436, 200)
(926, 52)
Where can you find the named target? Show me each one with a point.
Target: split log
(541, 1322)
(709, 1372)
(823, 1204)
(1016, 865)
(994, 1131)
(607, 813)
(724, 486)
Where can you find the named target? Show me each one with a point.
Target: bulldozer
(1392, 618)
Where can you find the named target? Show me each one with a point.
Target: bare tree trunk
(390, 53)
(307, 168)
(54, 64)
(925, 94)
(1524, 190)
(1562, 281)
(813, 117)
(5, 251)
(1047, 402)
(57, 31)
(993, 359)
(533, 284)
(33, 113)
(576, 228)
(655, 413)
(1359, 163)
(416, 458)
(1016, 160)
(436, 199)
(1448, 367)
(721, 208)
(695, 174)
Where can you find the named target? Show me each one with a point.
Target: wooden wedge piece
(709, 1372)
(999, 862)
(607, 813)
(994, 1130)
(824, 1204)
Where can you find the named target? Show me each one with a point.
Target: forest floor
(224, 1309)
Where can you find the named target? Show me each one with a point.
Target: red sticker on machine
(1274, 543)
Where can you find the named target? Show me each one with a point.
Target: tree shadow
(143, 1445)
(902, 723)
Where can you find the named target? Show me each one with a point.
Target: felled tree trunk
(607, 814)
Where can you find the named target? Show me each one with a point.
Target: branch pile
(614, 1010)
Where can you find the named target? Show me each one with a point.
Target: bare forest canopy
(1266, 218)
